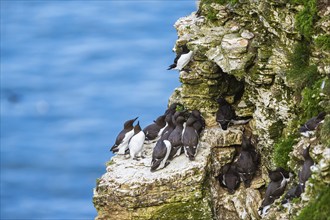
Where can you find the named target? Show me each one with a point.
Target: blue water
(71, 73)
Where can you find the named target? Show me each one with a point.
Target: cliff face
(258, 45)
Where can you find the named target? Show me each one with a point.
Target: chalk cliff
(279, 51)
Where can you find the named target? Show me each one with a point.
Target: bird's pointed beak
(135, 119)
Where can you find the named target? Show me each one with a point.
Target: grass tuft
(310, 102)
(281, 151)
(301, 74)
(318, 208)
(306, 18)
(323, 42)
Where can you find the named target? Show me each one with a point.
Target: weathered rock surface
(248, 43)
(130, 188)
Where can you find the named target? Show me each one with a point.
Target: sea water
(71, 73)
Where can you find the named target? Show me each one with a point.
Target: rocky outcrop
(180, 191)
(242, 52)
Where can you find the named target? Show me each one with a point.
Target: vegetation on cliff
(318, 207)
(282, 149)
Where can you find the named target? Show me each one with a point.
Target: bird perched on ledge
(305, 172)
(154, 130)
(182, 59)
(121, 144)
(225, 113)
(190, 138)
(247, 162)
(275, 189)
(308, 128)
(160, 155)
(175, 137)
(229, 178)
(135, 145)
(199, 125)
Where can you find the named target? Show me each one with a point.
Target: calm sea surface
(71, 73)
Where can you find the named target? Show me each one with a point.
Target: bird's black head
(160, 120)
(169, 120)
(284, 172)
(278, 174)
(190, 152)
(196, 113)
(191, 120)
(155, 164)
(137, 128)
(129, 124)
(180, 120)
(246, 142)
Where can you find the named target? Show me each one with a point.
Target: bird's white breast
(183, 60)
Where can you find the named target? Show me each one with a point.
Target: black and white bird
(275, 189)
(154, 130)
(162, 150)
(169, 127)
(292, 193)
(236, 89)
(303, 176)
(183, 113)
(135, 145)
(175, 138)
(305, 172)
(121, 144)
(160, 155)
(247, 162)
(190, 138)
(225, 113)
(308, 128)
(182, 59)
(229, 178)
(199, 125)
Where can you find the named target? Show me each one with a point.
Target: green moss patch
(301, 74)
(306, 18)
(310, 102)
(179, 108)
(282, 149)
(318, 208)
(211, 14)
(184, 210)
(323, 42)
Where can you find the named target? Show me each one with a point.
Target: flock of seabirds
(177, 131)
